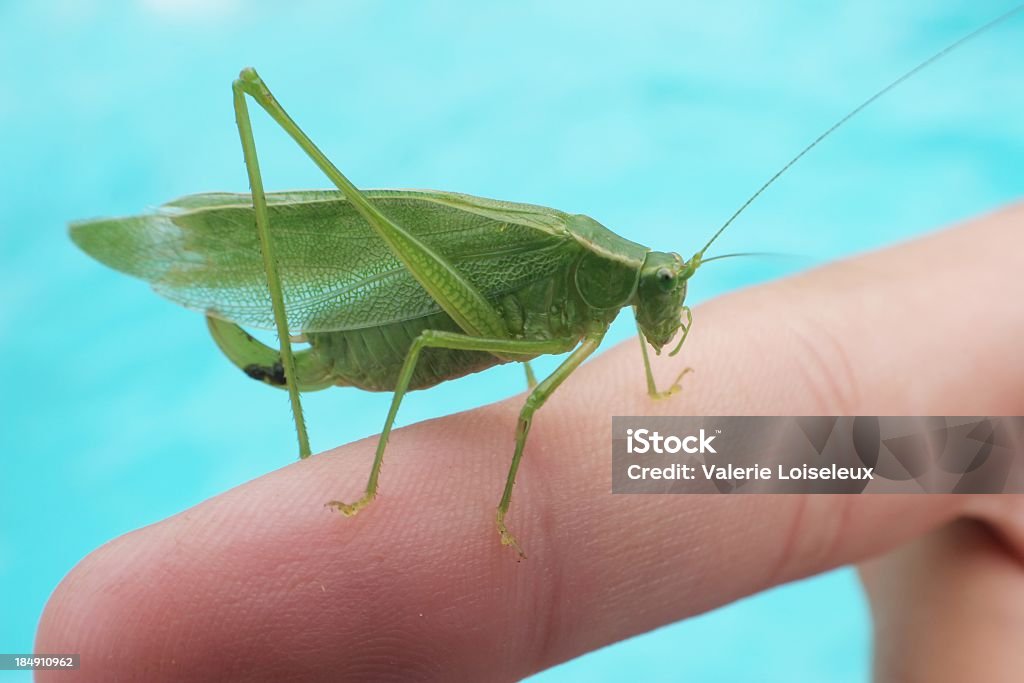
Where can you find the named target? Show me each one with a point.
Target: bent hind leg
(263, 363)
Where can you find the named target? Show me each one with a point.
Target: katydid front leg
(675, 387)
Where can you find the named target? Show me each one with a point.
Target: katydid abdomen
(370, 358)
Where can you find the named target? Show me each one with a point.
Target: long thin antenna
(739, 253)
(937, 56)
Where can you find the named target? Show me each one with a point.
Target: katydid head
(660, 295)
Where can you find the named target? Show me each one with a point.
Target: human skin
(264, 583)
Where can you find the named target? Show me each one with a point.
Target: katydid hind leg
(263, 363)
(534, 401)
(453, 292)
(259, 202)
(443, 340)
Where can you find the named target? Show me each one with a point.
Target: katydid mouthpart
(397, 290)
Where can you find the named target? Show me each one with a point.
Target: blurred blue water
(655, 118)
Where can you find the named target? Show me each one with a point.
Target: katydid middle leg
(534, 401)
(443, 340)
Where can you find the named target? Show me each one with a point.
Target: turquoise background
(658, 119)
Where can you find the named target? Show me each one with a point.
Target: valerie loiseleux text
(644, 441)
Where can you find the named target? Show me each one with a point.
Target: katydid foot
(507, 539)
(350, 509)
(674, 389)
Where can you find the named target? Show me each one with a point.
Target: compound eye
(666, 278)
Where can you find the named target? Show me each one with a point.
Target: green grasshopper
(398, 290)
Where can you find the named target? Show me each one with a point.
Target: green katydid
(397, 290)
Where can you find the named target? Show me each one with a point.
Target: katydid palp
(397, 290)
